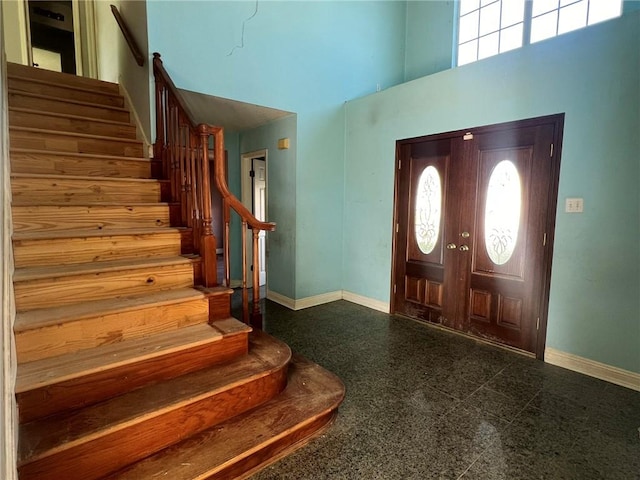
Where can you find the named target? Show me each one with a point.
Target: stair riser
(62, 142)
(43, 191)
(100, 330)
(63, 92)
(97, 387)
(24, 100)
(103, 455)
(23, 71)
(61, 164)
(61, 218)
(274, 451)
(71, 251)
(51, 292)
(19, 118)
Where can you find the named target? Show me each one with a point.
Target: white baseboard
(281, 299)
(326, 298)
(592, 368)
(136, 119)
(366, 301)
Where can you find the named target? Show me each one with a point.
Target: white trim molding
(592, 368)
(326, 298)
(366, 301)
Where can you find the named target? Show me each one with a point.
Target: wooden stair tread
(74, 134)
(82, 232)
(33, 273)
(17, 70)
(66, 115)
(311, 393)
(13, 91)
(97, 156)
(49, 371)
(86, 178)
(43, 317)
(51, 435)
(31, 79)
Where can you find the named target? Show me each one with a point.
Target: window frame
(526, 26)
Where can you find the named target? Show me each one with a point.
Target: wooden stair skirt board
(242, 445)
(89, 443)
(127, 365)
(44, 162)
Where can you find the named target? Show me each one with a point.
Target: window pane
(487, 2)
(502, 212)
(488, 45)
(564, 3)
(544, 26)
(600, 10)
(490, 18)
(511, 38)
(428, 209)
(543, 6)
(512, 12)
(572, 17)
(468, 27)
(468, 52)
(468, 5)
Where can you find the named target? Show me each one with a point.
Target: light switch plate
(574, 205)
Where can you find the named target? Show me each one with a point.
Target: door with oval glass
(475, 212)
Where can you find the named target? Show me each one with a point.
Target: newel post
(208, 241)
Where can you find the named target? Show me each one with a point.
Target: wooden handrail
(185, 151)
(133, 45)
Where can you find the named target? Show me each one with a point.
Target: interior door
(485, 269)
(259, 169)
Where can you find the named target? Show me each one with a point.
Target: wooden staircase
(126, 369)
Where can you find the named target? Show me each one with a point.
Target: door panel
(420, 278)
(486, 270)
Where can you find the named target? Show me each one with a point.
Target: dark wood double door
(475, 213)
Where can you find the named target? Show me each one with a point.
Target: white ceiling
(234, 116)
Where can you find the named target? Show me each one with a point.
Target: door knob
(451, 246)
(464, 248)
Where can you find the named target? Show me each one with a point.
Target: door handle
(451, 246)
(464, 248)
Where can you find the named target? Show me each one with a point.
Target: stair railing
(185, 149)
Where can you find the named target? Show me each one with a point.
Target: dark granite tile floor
(423, 403)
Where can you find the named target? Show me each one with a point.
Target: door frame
(246, 197)
(555, 156)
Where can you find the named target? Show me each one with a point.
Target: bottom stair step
(245, 444)
(51, 385)
(93, 442)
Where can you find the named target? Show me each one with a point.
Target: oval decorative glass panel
(428, 209)
(502, 212)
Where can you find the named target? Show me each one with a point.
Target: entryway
(474, 222)
(254, 197)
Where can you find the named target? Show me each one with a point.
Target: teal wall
(592, 75)
(304, 57)
(429, 37)
(281, 180)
